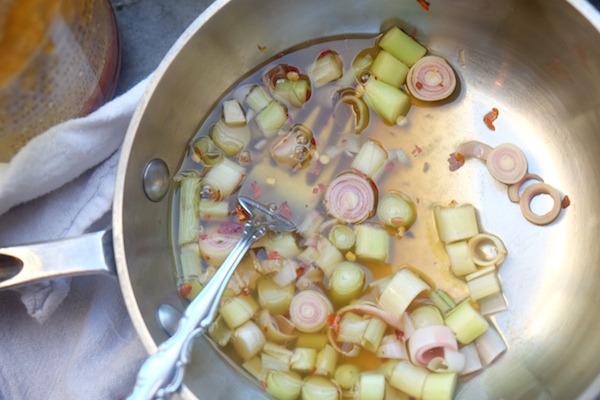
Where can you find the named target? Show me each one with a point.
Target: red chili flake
(318, 168)
(416, 151)
(333, 321)
(301, 270)
(322, 187)
(419, 85)
(418, 199)
(456, 161)
(399, 334)
(265, 329)
(490, 118)
(206, 217)
(185, 289)
(207, 257)
(273, 255)
(285, 210)
(316, 190)
(240, 214)
(324, 53)
(246, 292)
(203, 236)
(254, 186)
(566, 202)
(264, 383)
(424, 4)
(389, 166)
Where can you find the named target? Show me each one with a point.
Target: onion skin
(536, 189)
(431, 79)
(351, 198)
(507, 163)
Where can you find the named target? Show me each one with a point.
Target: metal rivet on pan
(156, 179)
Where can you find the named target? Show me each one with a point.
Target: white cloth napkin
(72, 339)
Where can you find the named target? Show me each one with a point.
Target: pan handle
(91, 253)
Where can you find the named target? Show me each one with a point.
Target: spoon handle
(162, 373)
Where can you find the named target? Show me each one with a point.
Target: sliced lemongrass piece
(219, 331)
(319, 388)
(206, 152)
(276, 357)
(480, 272)
(389, 69)
(472, 360)
(233, 113)
(401, 291)
(475, 149)
(315, 341)
(287, 274)
(402, 46)
(490, 346)
(271, 328)
(309, 228)
(326, 361)
(295, 92)
(346, 375)
(328, 256)
(328, 67)
(269, 266)
(492, 304)
(444, 303)
(189, 257)
(392, 348)
(352, 328)
(231, 140)
(360, 109)
(397, 211)
(372, 242)
(257, 99)
(272, 118)
(189, 288)
(386, 100)
(303, 359)
(452, 361)
(513, 190)
(373, 335)
(426, 315)
(294, 148)
(282, 244)
(430, 342)
(387, 367)
(283, 385)
(483, 286)
(248, 340)
(534, 190)
(311, 276)
(273, 297)
(431, 79)
(350, 198)
(507, 163)
(370, 159)
(461, 259)
(342, 237)
(440, 386)
(213, 210)
(346, 283)
(237, 310)
(370, 386)
(189, 200)
(215, 247)
(309, 310)
(224, 178)
(254, 368)
(409, 378)
(466, 323)
(456, 223)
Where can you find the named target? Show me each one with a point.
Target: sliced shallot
(431, 79)
(351, 198)
(513, 190)
(534, 190)
(430, 342)
(507, 163)
(475, 149)
(309, 310)
(452, 361)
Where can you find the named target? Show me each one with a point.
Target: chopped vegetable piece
(373, 334)
(487, 249)
(342, 237)
(224, 178)
(233, 113)
(430, 342)
(248, 340)
(327, 68)
(402, 46)
(295, 148)
(492, 304)
(370, 159)
(534, 190)
(426, 315)
(283, 385)
(276, 357)
(271, 328)
(219, 331)
(461, 259)
(507, 163)
(190, 288)
(309, 228)
(295, 92)
(231, 140)
(431, 79)
(397, 211)
(389, 69)
(442, 301)
(370, 386)
(257, 99)
(455, 161)
(440, 386)
(372, 243)
(272, 118)
(303, 359)
(409, 378)
(452, 361)
(237, 310)
(466, 323)
(351, 198)
(490, 346)
(359, 109)
(346, 283)
(475, 149)
(213, 209)
(206, 152)
(254, 368)
(490, 118)
(309, 310)
(282, 244)
(388, 101)
(189, 200)
(328, 256)
(189, 257)
(456, 223)
(392, 348)
(273, 297)
(352, 327)
(346, 375)
(513, 190)
(326, 361)
(215, 246)
(401, 291)
(472, 361)
(319, 388)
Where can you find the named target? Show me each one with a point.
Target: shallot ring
(498, 158)
(475, 149)
(362, 192)
(513, 190)
(480, 239)
(431, 79)
(534, 190)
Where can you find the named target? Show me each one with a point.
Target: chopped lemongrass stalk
(189, 257)
(472, 360)
(233, 113)
(409, 378)
(484, 286)
(309, 228)
(244, 277)
(303, 359)
(326, 361)
(319, 388)
(287, 274)
(284, 244)
(386, 100)
(248, 340)
(328, 67)
(480, 272)
(397, 210)
(351, 198)
(426, 315)
(373, 334)
(283, 385)
(219, 331)
(466, 323)
(346, 375)
(312, 276)
(370, 386)
(255, 368)
(490, 346)
(214, 209)
(430, 342)
(206, 152)
(447, 299)
(387, 367)
(224, 178)
(456, 223)
(360, 109)
(273, 297)
(272, 118)
(257, 99)
(461, 260)
(346, 283)
(189, 199)
(487, 250)
(189, 288)
(328, 256)
(315, 341)
(296, 92)
(276, 357)
(453, 361)
(492, 304)
(271, 328)
(370, 159)
(389, 69)
(309, 310)
(440, 386)
(237, 310)
(342, 237)
(431, 79)
(392, 348)
(231, 140)
(352, 327)
(379, 285)
(372, 243)
(402, 46)
(439, 302)
(401, 291)
(215, 246)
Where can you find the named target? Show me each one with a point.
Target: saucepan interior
(536, 61)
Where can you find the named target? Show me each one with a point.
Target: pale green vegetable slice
(409, 378)
(284, 385)
(326, 361)
(461, 260)
(189, 200)
(248, 340)
(370, 386)
(238, 310)
(456, 223)
(466, 323)
(319, 388)
(372, 242)
(401, 291)
(342, 237)
(272, 118)
(346, 283)
(303, 359)
(402, 46)
(346, 375)
(273, 297)
(439, 386)
(389, 69)
(386, 100)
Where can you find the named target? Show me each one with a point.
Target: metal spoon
(162, 373)
(168, 318)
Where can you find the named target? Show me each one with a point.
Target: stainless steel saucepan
(536, 61)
